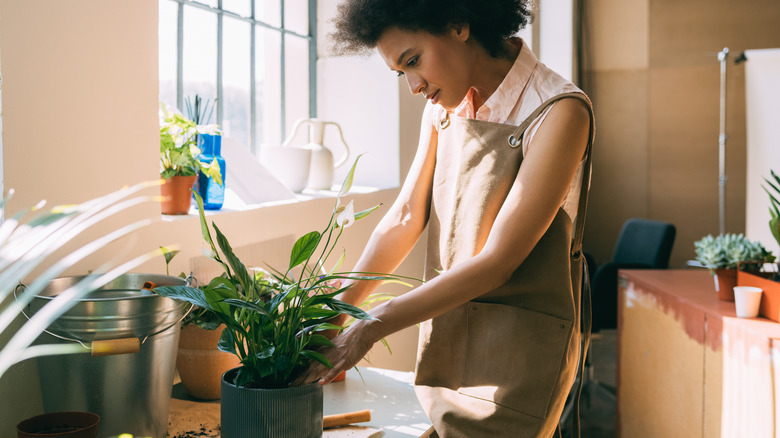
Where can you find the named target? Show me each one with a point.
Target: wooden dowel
(116, 346)
(347, 418)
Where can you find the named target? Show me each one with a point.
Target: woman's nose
(416, 83)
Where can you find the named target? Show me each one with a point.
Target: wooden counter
(687, 366)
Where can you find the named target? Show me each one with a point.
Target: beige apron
(503, 364)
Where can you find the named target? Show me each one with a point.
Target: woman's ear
(462, 31)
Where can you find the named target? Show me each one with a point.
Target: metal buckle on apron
(445, 122)
(514, 141)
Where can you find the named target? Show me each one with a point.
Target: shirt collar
(501, 103)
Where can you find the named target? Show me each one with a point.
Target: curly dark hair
(360, 23)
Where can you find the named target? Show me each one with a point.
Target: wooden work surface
(395, 411)
(687, 366)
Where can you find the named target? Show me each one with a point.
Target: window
(257, 58)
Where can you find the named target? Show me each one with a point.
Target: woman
(499, 339)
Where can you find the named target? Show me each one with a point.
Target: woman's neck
(490, 71)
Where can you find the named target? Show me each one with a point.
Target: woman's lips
(435, 97)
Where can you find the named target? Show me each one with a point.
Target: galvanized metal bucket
(131, 392)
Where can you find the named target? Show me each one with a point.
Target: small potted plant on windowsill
(179, 163)
(721, 254)
(275, 324)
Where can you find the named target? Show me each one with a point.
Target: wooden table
(395, 411)
(687, 366)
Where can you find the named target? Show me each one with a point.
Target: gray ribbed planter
(274, 413)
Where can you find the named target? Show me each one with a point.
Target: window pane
(296, 79)
(269, 11)
(296, 16)
(200, 54)
(235, 79)
(212, 3)
(268, 87)
(240, 7)
(167, 52)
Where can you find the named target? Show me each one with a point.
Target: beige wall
(654, 79)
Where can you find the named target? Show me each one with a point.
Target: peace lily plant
(275, 321)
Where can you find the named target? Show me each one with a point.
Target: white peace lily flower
(206, 250)
(347, 216)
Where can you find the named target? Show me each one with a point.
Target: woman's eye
(412, 61)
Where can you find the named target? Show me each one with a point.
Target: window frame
(220, 12)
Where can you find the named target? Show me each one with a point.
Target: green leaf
(314, 312)
(238, 267)
(304, 248)
(266, 352)
(349, 309)
(168, 254)
(184, 293)
(319, 340)
(326, 326)
(366, 212)
(204, 227)
(347, 184)
(313, 355)
(248, 305)
(213, 171)
(227, 342)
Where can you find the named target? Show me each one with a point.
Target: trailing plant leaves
(304, 248)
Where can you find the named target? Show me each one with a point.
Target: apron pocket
(514, 356)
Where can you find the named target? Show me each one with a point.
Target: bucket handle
(108, 347)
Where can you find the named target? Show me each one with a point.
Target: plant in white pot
(275, 324)
(721, 254)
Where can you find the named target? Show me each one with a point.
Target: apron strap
(516, 140)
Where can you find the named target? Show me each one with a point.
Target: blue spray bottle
(213, 194)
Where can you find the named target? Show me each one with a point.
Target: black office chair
(642, 244)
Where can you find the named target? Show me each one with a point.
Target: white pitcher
(322, 163)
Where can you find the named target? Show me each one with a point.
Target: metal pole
(722, 55)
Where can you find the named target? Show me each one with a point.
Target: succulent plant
(726, 250)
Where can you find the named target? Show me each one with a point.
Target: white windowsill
(234, 204)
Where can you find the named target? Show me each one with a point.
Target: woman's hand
(349, 348)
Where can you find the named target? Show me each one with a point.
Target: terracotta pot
(201, 364)
(725, 280)
(770, 299)
(177, 195)
(341, 377)
(61, 425)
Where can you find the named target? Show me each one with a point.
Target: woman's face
(435, 65)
